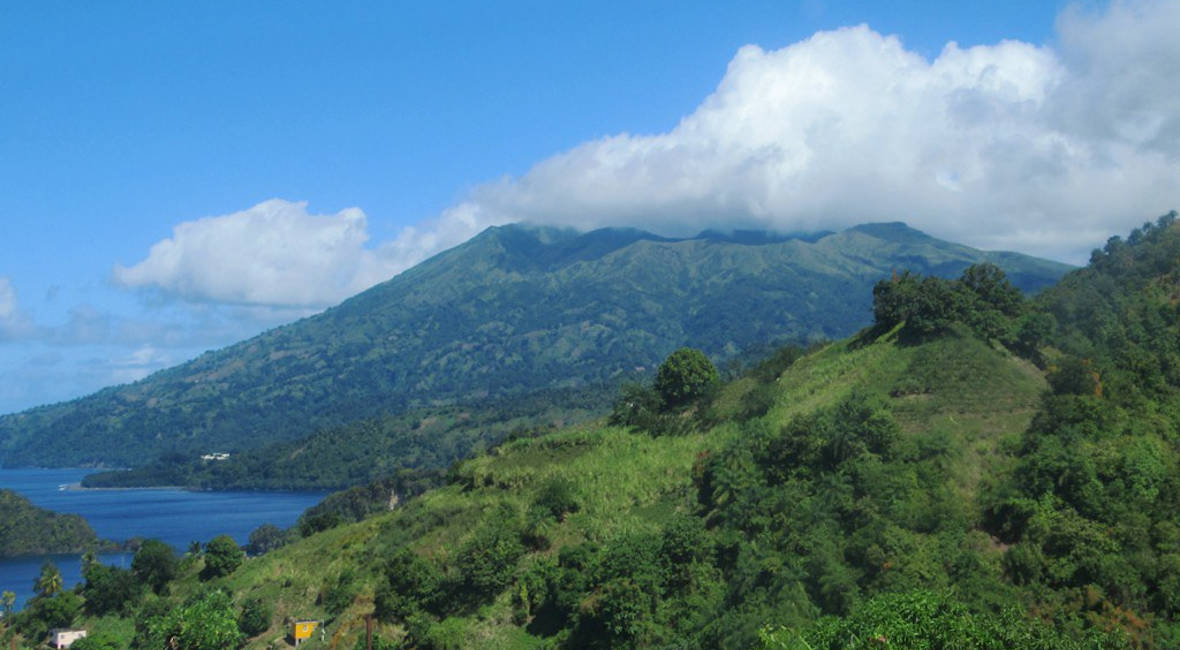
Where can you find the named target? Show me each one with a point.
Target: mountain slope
(513, 310)
(600, 566)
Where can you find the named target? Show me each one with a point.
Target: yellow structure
(304, 629)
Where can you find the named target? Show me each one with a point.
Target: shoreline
(78, 487)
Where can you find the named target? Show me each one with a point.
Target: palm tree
(89, 559)
(49, 582)
(7, 600)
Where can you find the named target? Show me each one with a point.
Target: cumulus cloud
(1012, 145)
(1044, 149)
(275, 253)
(278, 255)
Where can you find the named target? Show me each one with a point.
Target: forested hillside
(417, 441)
(514, 310)
(26, 529)
(976, 470)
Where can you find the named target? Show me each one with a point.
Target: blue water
(174, 516)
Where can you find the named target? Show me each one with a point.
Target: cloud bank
(1047, 150)
(1039, 149)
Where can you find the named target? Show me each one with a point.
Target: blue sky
(151, 152)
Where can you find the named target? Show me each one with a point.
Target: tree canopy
(685, 376)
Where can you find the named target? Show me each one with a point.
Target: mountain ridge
(515, 309)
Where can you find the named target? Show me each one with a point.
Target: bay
(175, 516)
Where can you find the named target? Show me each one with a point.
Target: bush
(338, 595)
(412, 584)
(310, 525)
(557, 497)
(205, 622)
(254, 618)
(266, 538)
(487, 561)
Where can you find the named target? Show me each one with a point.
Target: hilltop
(515, 310)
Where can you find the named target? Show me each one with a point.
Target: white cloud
(277, 255)
(1048, 151)
(274, 253)
(1045, 150)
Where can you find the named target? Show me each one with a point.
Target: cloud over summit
(1047, 150)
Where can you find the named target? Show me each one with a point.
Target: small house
(303, 630)
(62, 638)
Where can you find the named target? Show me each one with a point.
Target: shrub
(254, 618)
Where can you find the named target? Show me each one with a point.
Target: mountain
(516, 309)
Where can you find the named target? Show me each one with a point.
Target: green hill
(26, 529)
(515, 310)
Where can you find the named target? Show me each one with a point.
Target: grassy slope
(954, 391)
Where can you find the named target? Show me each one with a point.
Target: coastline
(78, 487)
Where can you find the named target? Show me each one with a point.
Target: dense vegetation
(420, 441)
(975, 470)
(26, 529)
(515, 310)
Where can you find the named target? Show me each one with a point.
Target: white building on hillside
(61, 638)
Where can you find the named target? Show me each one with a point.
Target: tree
(685, 375)
(49, 581)
(893, 299)
(109, 589)
(206, 622)
(989, 285)
(43, 613)
(98, 641)
(222, 557)
(7, 601)
(154, 564)
(89, 559)
(636, 406)
(266, 538)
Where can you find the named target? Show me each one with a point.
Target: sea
(175, 516)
